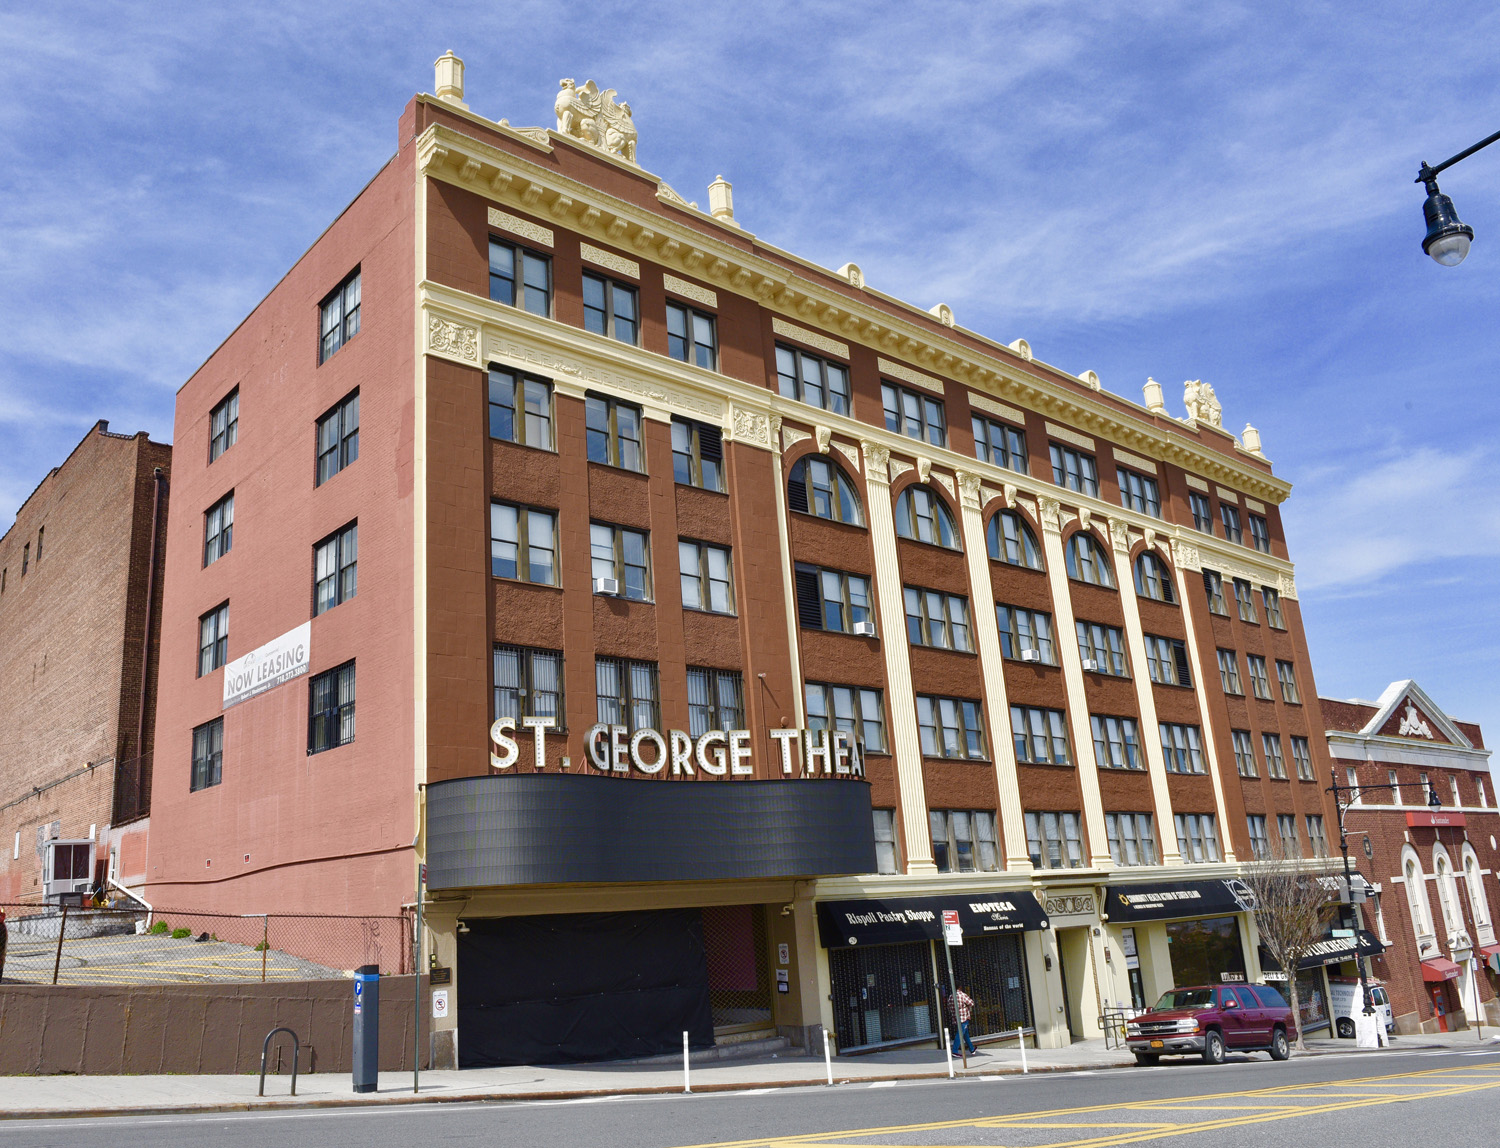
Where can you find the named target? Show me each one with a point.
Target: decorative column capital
(1050, 512)
(1185, 556)
(968, 490)
(1119, 534)
(877, 462)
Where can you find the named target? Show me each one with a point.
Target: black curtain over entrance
(581, 987)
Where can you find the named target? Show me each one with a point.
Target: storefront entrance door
(1073, 951)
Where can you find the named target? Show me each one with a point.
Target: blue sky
(1176, 190)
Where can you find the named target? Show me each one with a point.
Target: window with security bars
(1260, 843)
(213, 639)
(1244, 752)
(218, 529)
(1053, 840)
(1153, 579)
(336, 569)
(611, 308)
(1317, 835)
(1230, 517)
(1286, 829)
(1104, 646)
(1181, 747)
(992, 970)
(855, 710)
(1139, 492)
(1117, 742)
(624, 555)
(818, 486)
(936, 619)
(707, 577)
(1286, 677)
(1302, 755)
(923, 517)
(692, 336)
(1022, 630)
(1203, 515)
(612, 431)
(832, 600)
(1270, 744)
(1213, 587)
(1087, 562)
(1132, 838)
(520, 408)
(529, 683)
(950, 727)
(523, 543)
(1009, 540)
(340, 317)
(627, 693)
(1271, 599)
(1243, 600)
(1000, 445)
(330, 709)
(715, 700)
(1260, 534)
(963, 840)
(224, 424)
(338, 438)
(1229, 672)
(1260, 683)
(1040, 735)
(913, 414)
(1074, 470)
(1197, 837)
(885, 841)
(1167, 661)
(812, 380)
(208, 755)
(520, 277)
(884, 995)
(697, 455)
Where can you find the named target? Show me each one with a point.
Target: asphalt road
(1348, 1101)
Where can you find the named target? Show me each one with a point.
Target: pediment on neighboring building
(1405, 711)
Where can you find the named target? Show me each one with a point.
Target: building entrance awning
(1329, 951)
(1439, 969)
(1490, 955)
(884, 922)
(1127, 904)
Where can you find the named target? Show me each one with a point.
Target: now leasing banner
(279, 660)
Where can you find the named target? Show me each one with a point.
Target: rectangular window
(692, 337)
(812, 380)
(529, 683)
(1117, 742)
(1317, 837)
(715, 700)
(520, 278)
(25, 559)
(937, 620)
(1350, 776)
(611, 308)
(224, 424)
(1260, 533)
(1286, 829)
(1040, 735)
(1286, 675)
(1390, 778)
(1213, 586)
(1104, 646)
(218, 529)
(338, 438)
(950, 727)
(1270, 744)
(832, 600)
(855, 710)
(1272, 601)
(1260, 843)
(1000, 445)
(1181, 748)
(1244, 752)
(625, 556)
(963, 840)
(1053, 840)
(1203, 518)
(208, 755)
(340, 317)
(520, 408)
(697, 455)
(1074, 470)
(1132, 838)
(1244, 601)
(1023, 630)
(1260, 684)
(1230, 517)
(707, 578)
(914, 414)
(1302, 755)
(1197, 837)
(613, 430)
(1139, 492)
(1167, 661)
(1229, 672)
(523, 543)
(213, 639)
(330, 709)
(626, 693)
(336, 569)
(885, 840)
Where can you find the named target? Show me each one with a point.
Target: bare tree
(1292, 899)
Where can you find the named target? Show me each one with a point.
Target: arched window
(1152, 578)
(1086, 560)
(818, 486)
(922, 515)
(1009, 539)
(1416, 894)
(1442, 868)
(1474, 882)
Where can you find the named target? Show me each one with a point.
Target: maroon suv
(1211, 1021)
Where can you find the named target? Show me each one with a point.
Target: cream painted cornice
(723, 259)
(1382, 748)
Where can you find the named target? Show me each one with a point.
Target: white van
(1344, 997)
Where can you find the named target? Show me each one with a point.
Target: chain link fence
(42, 944)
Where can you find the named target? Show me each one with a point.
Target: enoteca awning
(884, 922)
(1126, 904)
(1439, 969)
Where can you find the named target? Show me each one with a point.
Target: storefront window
(1312, 1002)
(1204, 951)
(882, 994)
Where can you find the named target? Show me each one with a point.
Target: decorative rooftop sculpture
(592, 116)
(1202, 405)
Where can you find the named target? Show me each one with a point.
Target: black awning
(884, 922)
(1124, 904)
(1329, 951)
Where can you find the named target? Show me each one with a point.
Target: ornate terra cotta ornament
(592, 116)
(1202, 405)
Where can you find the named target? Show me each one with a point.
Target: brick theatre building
(707, 622)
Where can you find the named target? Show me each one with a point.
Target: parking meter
(366, 1028)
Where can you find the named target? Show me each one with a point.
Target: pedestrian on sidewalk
(4, 933)
(963, 1009)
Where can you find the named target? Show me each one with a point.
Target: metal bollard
(686, 1085)
(948, 1048)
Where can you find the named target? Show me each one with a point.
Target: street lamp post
(1448, 237)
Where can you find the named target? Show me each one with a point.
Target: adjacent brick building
(80, 613)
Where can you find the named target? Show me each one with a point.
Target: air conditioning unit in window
(1031, 655)
(1090, 666)
(606, 585)
(864, 629)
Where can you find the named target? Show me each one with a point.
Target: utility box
(366, 1028)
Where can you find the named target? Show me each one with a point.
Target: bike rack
(296, 1055)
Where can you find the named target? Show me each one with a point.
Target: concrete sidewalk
(34, 1097)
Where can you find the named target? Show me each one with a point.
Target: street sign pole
(953, 934)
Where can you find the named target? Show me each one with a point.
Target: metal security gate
(734, 943)
(882, 994)
(992, 970)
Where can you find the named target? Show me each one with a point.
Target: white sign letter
(599, 759)
(682, 753)
(641, 763)
(785, 737)
(716, 766)
(618, 749)
(537, 725)
(739, 750)
(500, 736)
